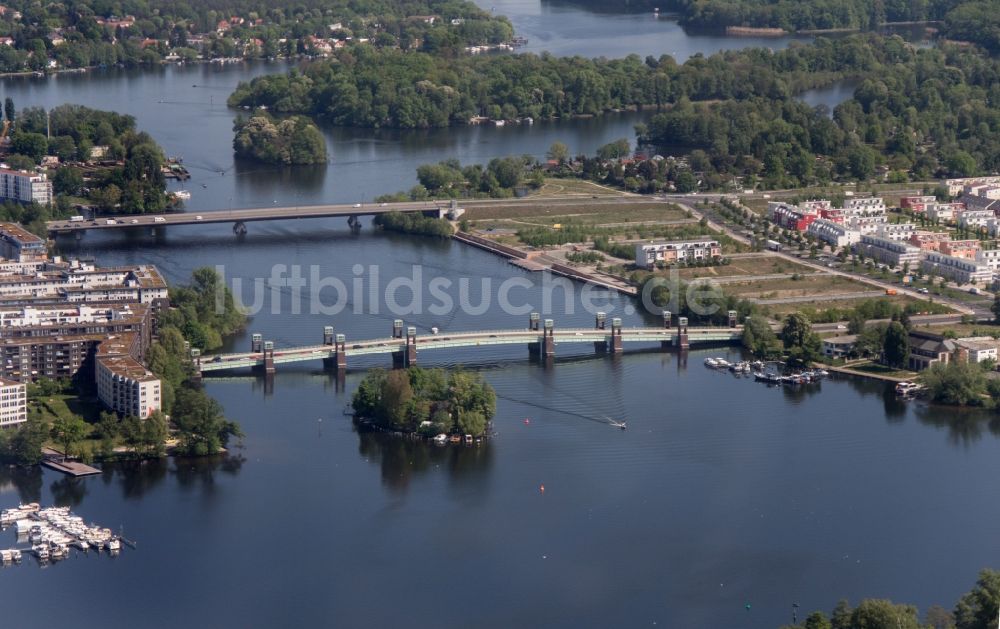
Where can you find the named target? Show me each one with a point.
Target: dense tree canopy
(294, 140)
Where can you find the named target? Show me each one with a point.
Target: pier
(541, 337)
(55, 460)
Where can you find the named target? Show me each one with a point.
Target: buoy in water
(527, 421)
(541, 488)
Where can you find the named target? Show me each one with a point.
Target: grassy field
(563, 187)
(593, 213)
(780, 310)
(882, 370)
(807, 286)
(756, 265)
(963, 329)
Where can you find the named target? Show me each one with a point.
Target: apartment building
(24, 186)
(833, 233)
(887, 251)
(13, 403)
(649, 254)
(960, 270)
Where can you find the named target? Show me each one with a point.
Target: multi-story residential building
(967, 249)
(649, 254)
(975, 219)
(833, 233)
(866, 223)
(790, 216)
(928, 241)
(865, 205)
(960, 270)
(917, 203)
(941, 212)
(124, 385)
(989, 257)
(25, 187)
(82, 282)
(896, 231)
(955, 186)
(887, 251)
(13, 403)
(19, 245)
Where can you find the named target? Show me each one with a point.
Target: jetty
(57, 461)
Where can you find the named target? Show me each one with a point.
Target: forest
(294, 140)
(428, 401)
(366, 87)
(89, 33)
(129, 178)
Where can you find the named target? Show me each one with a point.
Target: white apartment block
(976, 219)
(989, 257)
(960, 270)
(867, 223)
(26, 187)
(896, 231)
(888, 251)
(865, 205)
(833, 233)
(955, 186)
(648, 254)
(126, 387)
(13, 403)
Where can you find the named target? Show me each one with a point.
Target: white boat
(441, 438)
(434, 330)
(16, 555)
(24, 526)
(41, 551)
(113, 544)
(182, 194)
(6, 556)
(711, 362)
(58, 551)
(722, 362)
(617, 424)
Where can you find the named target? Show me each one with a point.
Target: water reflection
(26, 481)
(964, 426)
(137, 478)
(68, 491)
(402, 459)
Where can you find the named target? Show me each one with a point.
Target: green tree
(394, 402)
(33, 145)
(8, 109)
(958, 383)
(66, 431)
(896, 347)
(758, 337)
(978, 608)
(558, 152)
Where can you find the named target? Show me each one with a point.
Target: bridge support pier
(268, 357)
(548, 342)
(682, 334)
(240, 228)
(407, 356)
(600, 321)
(615, 341)
(354, 223)
(337, 360)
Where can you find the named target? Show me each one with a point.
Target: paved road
(868, 294)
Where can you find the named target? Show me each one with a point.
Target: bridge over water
(541, 338)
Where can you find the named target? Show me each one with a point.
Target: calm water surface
(723, 492)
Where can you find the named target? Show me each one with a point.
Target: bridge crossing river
(541, 337)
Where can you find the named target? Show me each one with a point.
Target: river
(724, 503)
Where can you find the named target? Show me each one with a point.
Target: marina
(54, 533)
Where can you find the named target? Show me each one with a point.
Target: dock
(55, 460)
(72, 468)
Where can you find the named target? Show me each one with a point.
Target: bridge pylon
(397, 329)
(683, 342)
(337, 360)
(732, 318)
(328, 335)
(257, 343)
(600, 321)
(533, 320)
(268, 357)
(668, 318)
(548, 342)
(615, 344)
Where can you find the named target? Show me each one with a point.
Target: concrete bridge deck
(404, 345)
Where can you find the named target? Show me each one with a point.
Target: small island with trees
(427, 402)
(294, 140)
